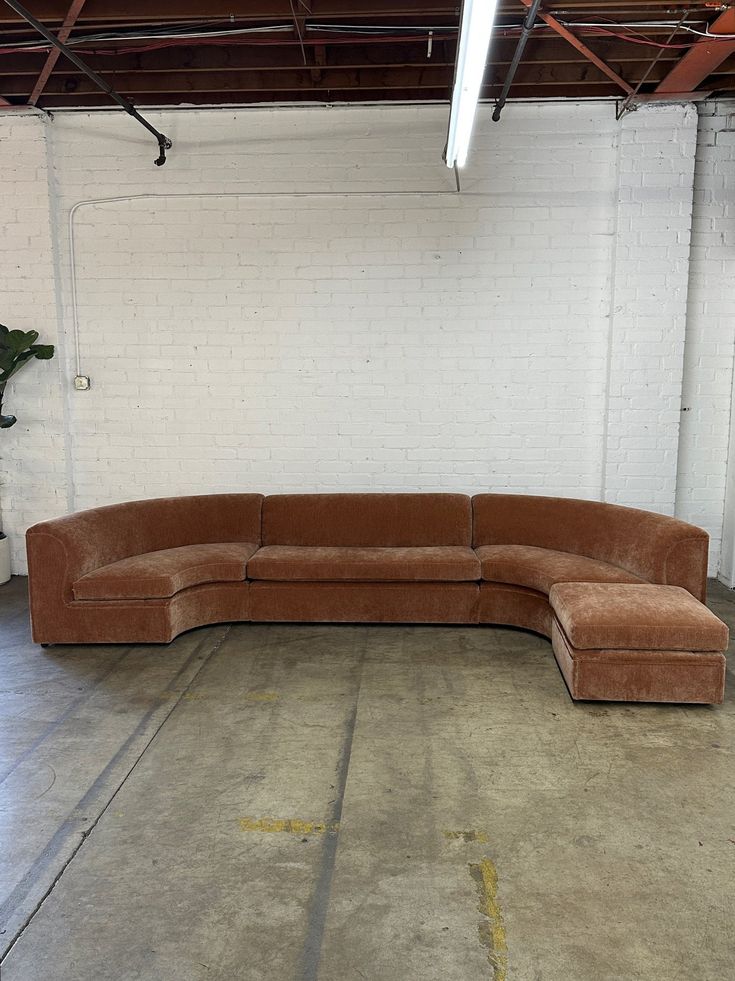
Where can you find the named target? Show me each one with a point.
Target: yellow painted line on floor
(491, 928)
(193, 696)
(467, 836)
(262, 696)
(292, 826)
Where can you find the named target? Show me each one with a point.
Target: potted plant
(17, 347)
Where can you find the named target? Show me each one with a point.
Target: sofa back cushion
(652, 546)
(99, 536)
(367, 519)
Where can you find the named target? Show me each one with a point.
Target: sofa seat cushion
(596, 616)
(540, 568)
(160, 574)
(437, 563)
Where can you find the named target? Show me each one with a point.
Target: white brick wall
(33, 479)
(708, 360)
(648, 308)
(299, 299)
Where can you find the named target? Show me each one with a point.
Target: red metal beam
(53, 56)
(701, 60)
(699, 96)
(554, 24)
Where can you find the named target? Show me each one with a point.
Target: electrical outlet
(82, 383)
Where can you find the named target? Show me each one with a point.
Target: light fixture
(474, 40)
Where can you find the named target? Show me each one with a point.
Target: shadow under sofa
(145, 571)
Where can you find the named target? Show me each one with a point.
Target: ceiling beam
(602, 89)
(582, 48)
(53, 55)
(548, 48)
(698, 96)
(701, 60)
(435, 77)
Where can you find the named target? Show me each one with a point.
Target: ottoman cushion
(640, 676)
(635, 617)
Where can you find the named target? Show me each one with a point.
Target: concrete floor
(286, 803)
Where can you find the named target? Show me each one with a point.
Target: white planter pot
(4, 560)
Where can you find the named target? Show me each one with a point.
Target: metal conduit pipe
(525, 34)
(163, 141)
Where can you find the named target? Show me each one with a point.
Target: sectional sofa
(619, 591)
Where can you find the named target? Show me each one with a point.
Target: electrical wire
(191, 33)
(298, 31)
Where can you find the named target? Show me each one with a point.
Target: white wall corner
(705, 494)
(726, 570)
(649, 280)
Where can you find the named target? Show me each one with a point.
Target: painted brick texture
(710, 338)
(648, 308)
(300, 300)
(33, 478)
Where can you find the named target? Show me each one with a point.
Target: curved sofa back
(653, 546)
(102, 535)
(365, 520)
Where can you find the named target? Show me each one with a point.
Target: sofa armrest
(685, 565)
(62, 550)
(656, 547)
(51, 574)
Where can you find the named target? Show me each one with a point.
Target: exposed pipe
(525, 34)
(163, 141)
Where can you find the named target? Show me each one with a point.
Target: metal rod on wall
(164, 143)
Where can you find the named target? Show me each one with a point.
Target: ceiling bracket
(163, 144)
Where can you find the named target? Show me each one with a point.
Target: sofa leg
(46, 645)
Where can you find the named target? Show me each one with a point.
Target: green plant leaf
(16, 348)
(19, 340)
(7, 360)
(44, 352)
(7, 421)
(16, 363)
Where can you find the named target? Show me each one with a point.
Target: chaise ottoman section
(637, 643)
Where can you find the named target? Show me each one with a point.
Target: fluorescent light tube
(474, 40)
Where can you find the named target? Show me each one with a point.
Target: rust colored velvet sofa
(145, 571)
